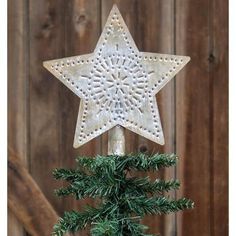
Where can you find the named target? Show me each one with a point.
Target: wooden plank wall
(18, 90)
(193, 107)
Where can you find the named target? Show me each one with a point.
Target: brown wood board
(82, 30)
(193, 118)
(203, 166)
(18, 71)
(193, 109)
(218, 59)
(46, 20)
(26, 200)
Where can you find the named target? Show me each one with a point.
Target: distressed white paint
(117, 83)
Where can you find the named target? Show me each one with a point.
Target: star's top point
(117, 83)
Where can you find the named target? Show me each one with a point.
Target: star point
(117, 84)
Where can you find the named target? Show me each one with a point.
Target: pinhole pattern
(117, 84)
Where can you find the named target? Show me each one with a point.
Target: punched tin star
(117, 83)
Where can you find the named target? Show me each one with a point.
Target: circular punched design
(118, 83)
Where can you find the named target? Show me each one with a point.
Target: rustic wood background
(194, 106)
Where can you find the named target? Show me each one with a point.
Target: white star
(117, 83)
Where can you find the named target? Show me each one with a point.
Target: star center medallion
(118, 84)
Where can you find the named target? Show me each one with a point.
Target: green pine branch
(125, 199)
(92, 187)
(140, 162)
(119, 228)
(155, 205)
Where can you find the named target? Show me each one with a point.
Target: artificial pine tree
(125, 199)
(117, 85)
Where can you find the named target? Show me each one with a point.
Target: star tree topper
(117, 83)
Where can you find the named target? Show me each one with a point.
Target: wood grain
(42, 112)
(193, 116)
(82, 31)
(155, 33)
(14, 225)
(37, 216)
(17, 90)
(219, 77)
(46, 42)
